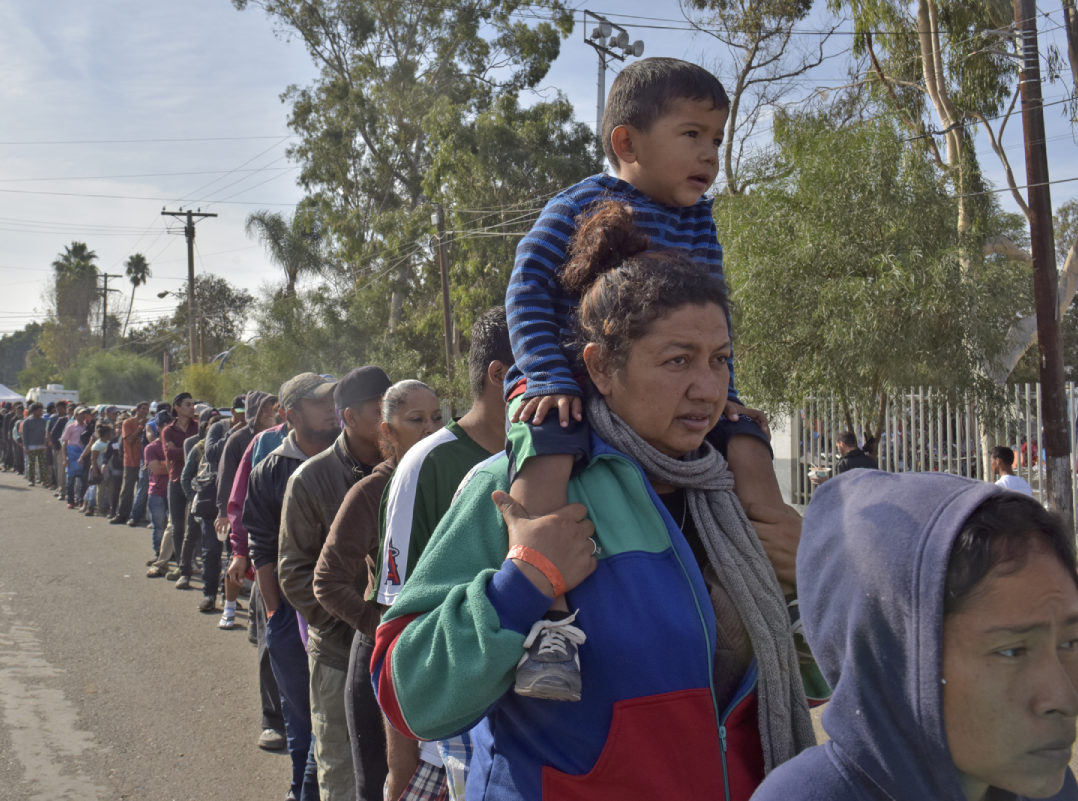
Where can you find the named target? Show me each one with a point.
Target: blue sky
(114, 108)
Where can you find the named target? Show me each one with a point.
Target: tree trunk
(127, 319)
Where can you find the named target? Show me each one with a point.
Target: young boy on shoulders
(662, 129)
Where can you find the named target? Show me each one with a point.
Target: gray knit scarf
(743, 570)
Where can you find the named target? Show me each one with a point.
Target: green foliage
(207, 383)
(75, 285)
(113, 376)
(137, 270)
(221, 313)
(14, 349)
(844, 276)
(294, 245)
(416, 105)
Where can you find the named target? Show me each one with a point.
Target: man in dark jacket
(260, 408)
(852, 456)
(33, 442)
(944, 612)
(307, 401)
(314, 494)
(52, 441)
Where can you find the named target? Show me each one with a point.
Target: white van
(52, 393)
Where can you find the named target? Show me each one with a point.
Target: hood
(253, 405)
(871, 570)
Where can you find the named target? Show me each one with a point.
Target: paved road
(114, 686)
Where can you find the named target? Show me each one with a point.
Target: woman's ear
(621, 142)
(598, 367)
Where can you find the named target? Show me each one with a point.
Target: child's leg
(541, 462)
(541, 487)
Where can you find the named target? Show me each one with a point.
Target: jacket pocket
(662, 747)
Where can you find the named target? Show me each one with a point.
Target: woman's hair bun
(606, 236)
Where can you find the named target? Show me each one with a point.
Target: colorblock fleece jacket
(871, 571)
(648, 726)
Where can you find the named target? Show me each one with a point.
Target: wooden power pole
(443, 268)
(1042, 246)
(105, 308)
(189, 233)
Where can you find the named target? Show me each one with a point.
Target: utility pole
(105, 308)
(1042, 246)
(438, 218)
(603, 40)
(189, 232)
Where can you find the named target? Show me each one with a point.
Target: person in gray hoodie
(944, 613)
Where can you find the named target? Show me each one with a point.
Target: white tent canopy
(9, 394)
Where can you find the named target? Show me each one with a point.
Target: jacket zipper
(720, 717)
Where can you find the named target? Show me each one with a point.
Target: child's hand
(733, 412)
(535, 410)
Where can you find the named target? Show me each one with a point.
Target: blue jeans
(138, 508)
(158, 507)
(288, 658)
(211, 558)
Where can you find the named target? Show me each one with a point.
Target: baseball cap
(362, 384)
(304, 385)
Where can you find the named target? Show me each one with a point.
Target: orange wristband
(542, 564)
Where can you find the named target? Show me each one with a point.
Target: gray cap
(304, 385)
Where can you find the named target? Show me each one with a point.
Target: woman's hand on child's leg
(535, 410)
(733, 411)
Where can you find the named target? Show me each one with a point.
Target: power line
(155, 199)
(138, 175)
(140, 141)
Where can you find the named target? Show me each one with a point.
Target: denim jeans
(177, 513)
(289, 661)
(138, 508)
(158, 507)
(211, 558)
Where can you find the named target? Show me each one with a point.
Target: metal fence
(924, 431)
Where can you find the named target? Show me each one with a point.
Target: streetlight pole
(605, 42)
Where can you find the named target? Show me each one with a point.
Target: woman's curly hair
(624, 285)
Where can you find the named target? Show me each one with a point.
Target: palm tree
(137, 270)
(295, 245)
(76, 284)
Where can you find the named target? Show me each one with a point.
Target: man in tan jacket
(311, 500)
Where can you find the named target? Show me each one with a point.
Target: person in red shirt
(183, 425)
(131, 437)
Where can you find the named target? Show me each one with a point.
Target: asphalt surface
(112, 685)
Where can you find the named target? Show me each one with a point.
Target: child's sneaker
(550, 667)
(227, 621)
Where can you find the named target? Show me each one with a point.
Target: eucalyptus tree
(846, 275)
(947, 69)
(768, 61)
(400, 84)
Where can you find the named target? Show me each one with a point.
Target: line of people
(285, 497)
